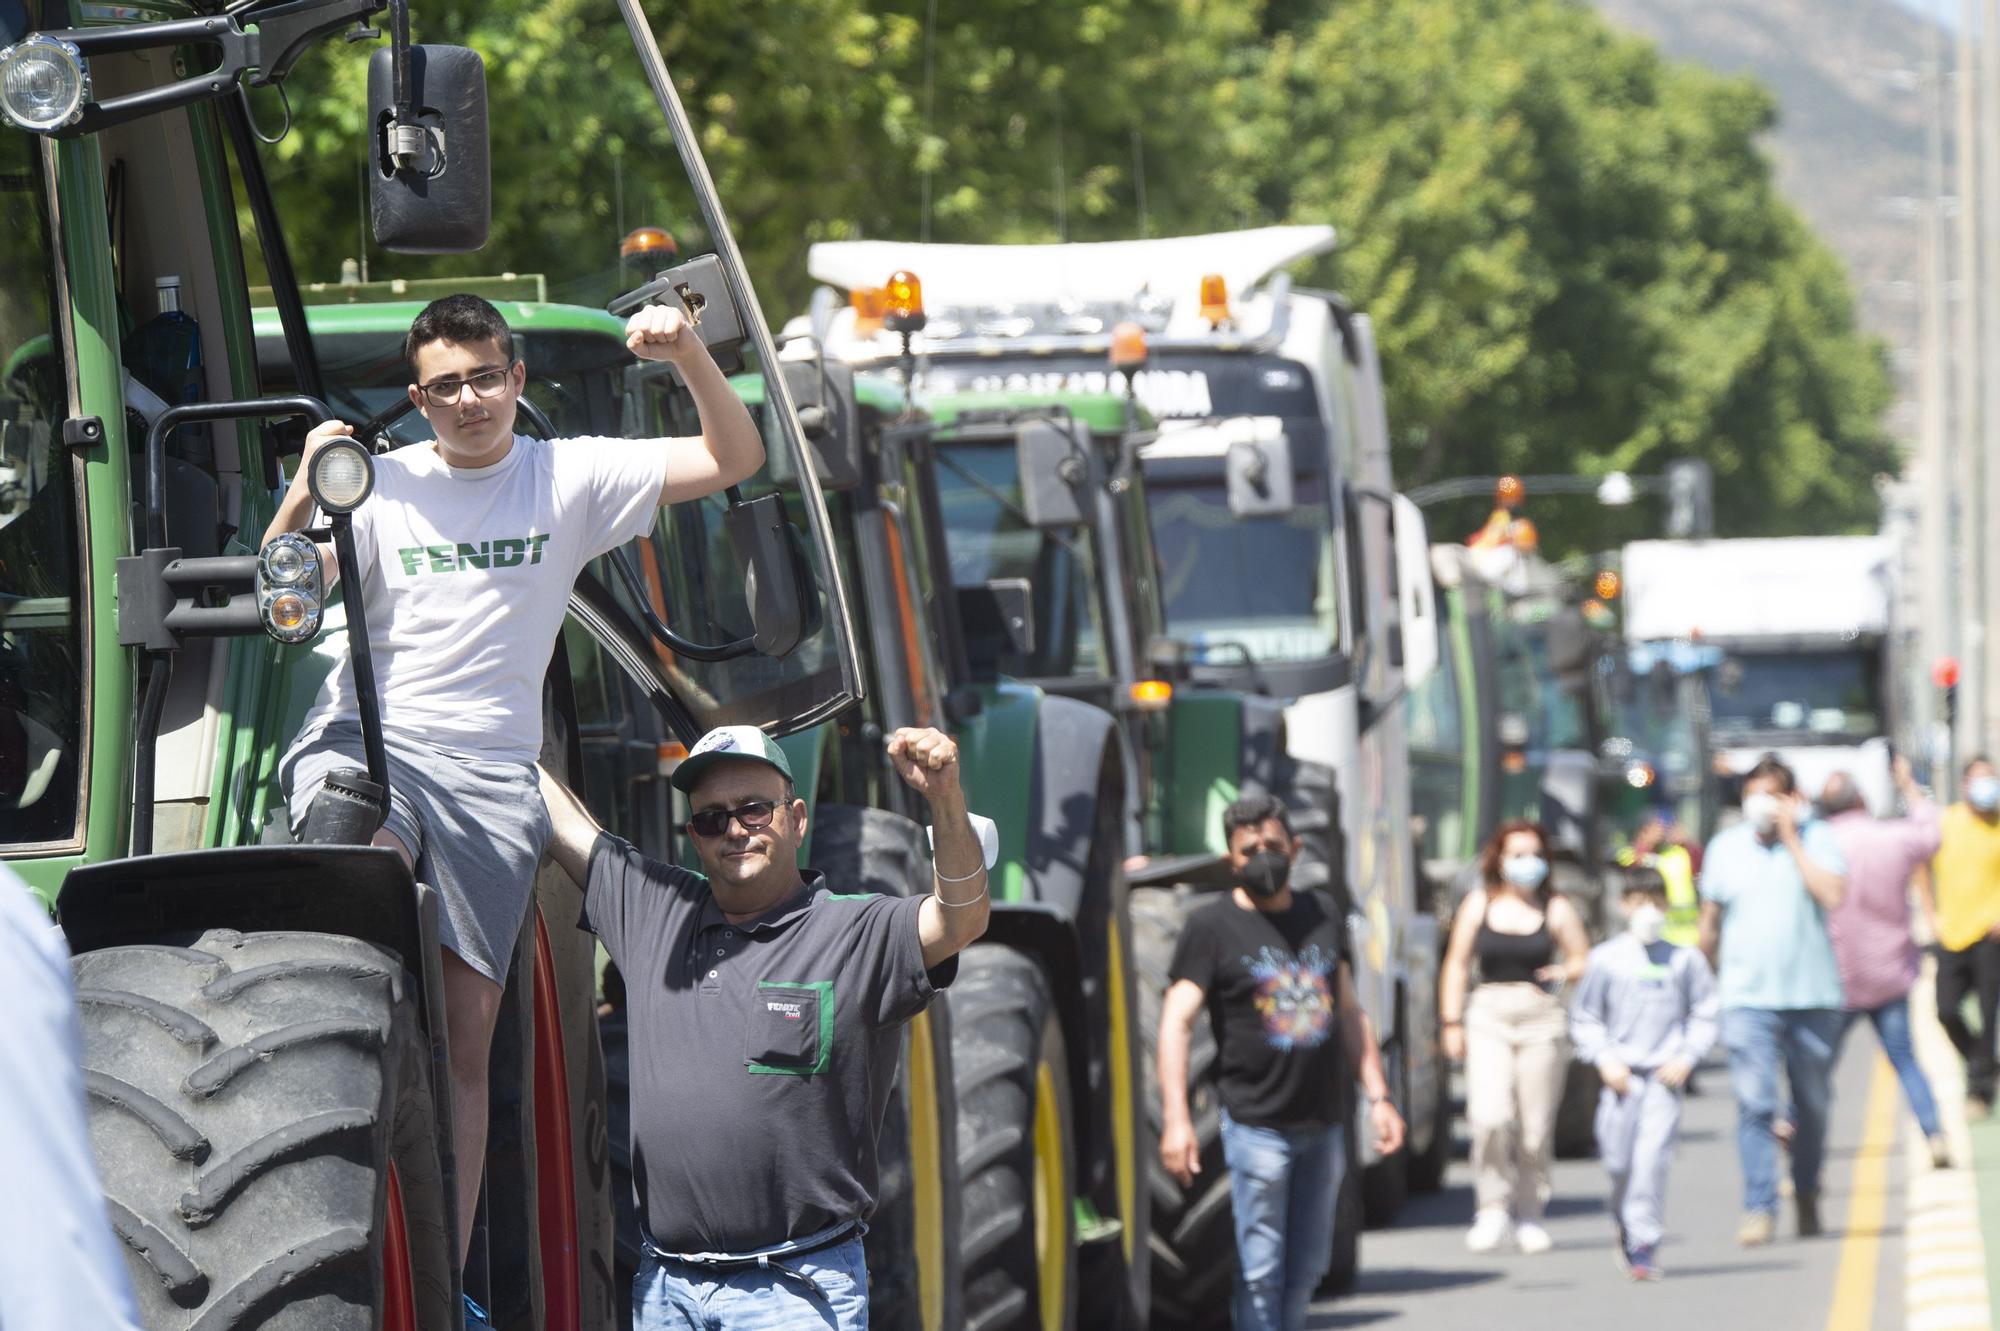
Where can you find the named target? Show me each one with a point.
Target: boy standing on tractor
(467, 549)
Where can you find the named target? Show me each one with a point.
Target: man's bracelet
(943, 877)
(969, 901)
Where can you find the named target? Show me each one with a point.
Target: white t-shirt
(466, 575)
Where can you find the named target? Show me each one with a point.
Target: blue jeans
(1892, 1028)
(1803, 1040)
(1282, 1184)
(674, 1297)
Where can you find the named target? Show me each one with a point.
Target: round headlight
(342, 475)
(289, 560)
(43, 84)
(290, 615)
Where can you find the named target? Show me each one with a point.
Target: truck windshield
(1265, 585)
(1827, 695)
(41, 656)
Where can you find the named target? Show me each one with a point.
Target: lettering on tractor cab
(465, 556)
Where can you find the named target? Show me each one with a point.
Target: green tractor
(263, 1041)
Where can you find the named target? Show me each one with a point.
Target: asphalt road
(1419, 1275)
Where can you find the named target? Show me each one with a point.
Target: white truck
(1804, 624)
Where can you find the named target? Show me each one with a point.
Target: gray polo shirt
(762, 1053)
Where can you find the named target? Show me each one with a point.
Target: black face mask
(1266, 873)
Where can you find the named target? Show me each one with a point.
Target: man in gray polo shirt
(766, 1014)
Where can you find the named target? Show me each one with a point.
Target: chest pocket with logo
(790, 1028)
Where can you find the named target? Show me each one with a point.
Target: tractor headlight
(44, 84)
(342, 475)
(289, 560)
(291, 590)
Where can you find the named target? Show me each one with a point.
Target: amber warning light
(1215, 299)
(903, 302)
(1128, 346)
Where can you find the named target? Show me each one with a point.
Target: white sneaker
(1489, 1230)
(1532, 1238)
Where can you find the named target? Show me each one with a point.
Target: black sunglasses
(715, 822)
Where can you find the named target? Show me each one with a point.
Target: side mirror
(1259, 469)
(439, 200)
(1053, 466)
(998, 615)
(824, 394)
(704, 296)
(1416, 595)
(777, 583)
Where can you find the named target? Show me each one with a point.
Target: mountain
(1849, 143)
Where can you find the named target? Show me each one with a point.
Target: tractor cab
(272, 1006)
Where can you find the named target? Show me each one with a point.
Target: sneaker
(1532, 1238)
(1755, 1230)
(1940, 1151)
(475, 1316)
(1642, 1264)
(1809, 1225)
(1490, 1229)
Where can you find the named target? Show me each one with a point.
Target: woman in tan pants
(1512, 1034)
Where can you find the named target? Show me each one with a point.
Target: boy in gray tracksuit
(1645, 1014)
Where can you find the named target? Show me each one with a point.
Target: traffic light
(1690, 499)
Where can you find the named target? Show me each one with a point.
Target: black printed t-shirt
(762, 1053)
(1272, 992)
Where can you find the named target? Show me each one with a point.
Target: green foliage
(1572, 248)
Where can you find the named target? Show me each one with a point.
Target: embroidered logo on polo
(464, 556)
(789, 1011)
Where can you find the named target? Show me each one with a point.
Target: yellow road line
(1861, 1251)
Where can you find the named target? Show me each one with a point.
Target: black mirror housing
(443, 204)
(998, 614)
(1259, 472)
(1053, 466)
(775, 584)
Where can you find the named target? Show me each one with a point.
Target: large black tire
(249, 1097)
(1193, 1239)
(1427, 1167)
(1349, 1218)
(1016, 1145)
(1386, 1183)
(913, 1267)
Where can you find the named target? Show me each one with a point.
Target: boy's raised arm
(729, 449)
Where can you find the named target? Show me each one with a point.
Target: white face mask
(1761, 809)
(1983, 793)
(1524, 871)
(1646, 923)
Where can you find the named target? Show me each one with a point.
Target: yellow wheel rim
(1051, 1198)
(1124, 1112)
(926, 1173)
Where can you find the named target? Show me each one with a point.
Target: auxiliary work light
(341, 476)
(290, 560)
(291, 591)
(44, 84)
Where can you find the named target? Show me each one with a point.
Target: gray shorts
(476, 826)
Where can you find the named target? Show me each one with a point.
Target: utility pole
(1968, 544)
(1933, 444)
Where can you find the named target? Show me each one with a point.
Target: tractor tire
(1385, 1185)
(1427, 1167)
(1349, 1219)
(260, 1108)
(1016, 1145)
(1193, 1238)
(913, 1264)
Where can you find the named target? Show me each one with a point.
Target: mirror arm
(621, 563)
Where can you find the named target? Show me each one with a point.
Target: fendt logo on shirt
(465, 556)
(789, 1011)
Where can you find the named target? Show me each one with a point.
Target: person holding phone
(1509, 1028)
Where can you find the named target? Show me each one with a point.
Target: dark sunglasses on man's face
(715, 822)
(445, 392)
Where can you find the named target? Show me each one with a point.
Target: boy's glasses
(444, 392)
(714, 822)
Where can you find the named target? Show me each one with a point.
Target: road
(1419, 1275)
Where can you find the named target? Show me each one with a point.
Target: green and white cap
(726, 742)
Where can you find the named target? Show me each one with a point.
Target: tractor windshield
(41, 654)
(628, 200)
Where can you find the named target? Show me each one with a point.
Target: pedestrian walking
(1527, 942)
(1645, 1015)
(1965, 887)
(1662, 843)
(1871, 928)
(1267, 963)
(1767, 884)
(766, 1009)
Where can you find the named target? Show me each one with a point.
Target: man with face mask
(1645, 1014)
(1767, 885)
(1871, 930)
(1267, 962)
(1965, 879)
